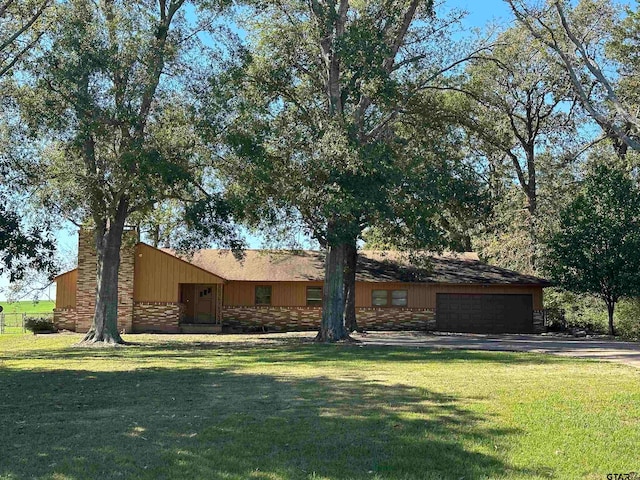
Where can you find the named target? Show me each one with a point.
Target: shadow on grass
(288, 352)
(209, 423)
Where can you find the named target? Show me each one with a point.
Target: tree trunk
(532, 204)
(333, 295)
(155, 236)
(611, 305)
(351, 260)
(104, 328)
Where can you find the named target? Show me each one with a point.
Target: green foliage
(39, 324)
(372, 153)
(588, 312)
(572, 310)
(628, 318)
(22, 24)
(597, 249)
(575, 35)
(624, 47)
(520, 122)
(23, 248)
(118, 132)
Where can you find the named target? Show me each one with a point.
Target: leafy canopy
(597, 249)
(336, 119)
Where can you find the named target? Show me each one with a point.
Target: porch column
(219, 288)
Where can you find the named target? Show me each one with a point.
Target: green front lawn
(238, 407)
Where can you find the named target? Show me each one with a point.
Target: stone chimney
(87, 285)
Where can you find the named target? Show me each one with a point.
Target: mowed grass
(279, 407)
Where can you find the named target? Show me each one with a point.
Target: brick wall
(125, 281)
(157, 317)
(396, 318)
(272, 318)
(308, 318)
(87, 283)
(539, 321)
(65, 318)
(86, 287)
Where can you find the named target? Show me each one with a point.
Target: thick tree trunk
(611, 305)
(333, 299)
(104, 328)
(350, 321)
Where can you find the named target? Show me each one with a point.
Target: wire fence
(15, 322)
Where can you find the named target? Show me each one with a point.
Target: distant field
(28, 306)
(11, 316)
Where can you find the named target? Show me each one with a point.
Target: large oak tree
(521, 116)
(108, 100)
(335, 128)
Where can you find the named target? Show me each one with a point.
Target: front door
(205, 304)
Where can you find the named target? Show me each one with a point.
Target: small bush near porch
(276, 407)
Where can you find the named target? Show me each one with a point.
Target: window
(379, 298)
(387, 298)
(314, 296)
(263, 294)
(399, 298)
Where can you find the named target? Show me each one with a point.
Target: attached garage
(484, 313)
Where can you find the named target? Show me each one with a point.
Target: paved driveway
(597, 349)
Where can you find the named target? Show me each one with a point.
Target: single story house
(282, 291)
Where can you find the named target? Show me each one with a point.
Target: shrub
(567, 311)
(39, 324)
(628, 319)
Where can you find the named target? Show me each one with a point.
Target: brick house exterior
(278, 291)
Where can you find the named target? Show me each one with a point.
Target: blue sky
(480, 12)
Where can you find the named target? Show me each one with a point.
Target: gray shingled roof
(373, 266)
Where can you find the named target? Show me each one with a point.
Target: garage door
(484, 313)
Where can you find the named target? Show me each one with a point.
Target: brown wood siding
(420, 295)
(158, 275)
(283, 294)
(66, 285)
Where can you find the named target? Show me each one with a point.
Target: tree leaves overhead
(22, 24)
(338, 147)
(112, 94)
(22, 249)
(575, 37)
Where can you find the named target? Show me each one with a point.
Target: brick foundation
(65, 318)
(539, 317)
(157, 317)
(279, 319)
(396, 318)
(308, 318)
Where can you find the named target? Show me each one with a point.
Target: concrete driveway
(593, 348)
